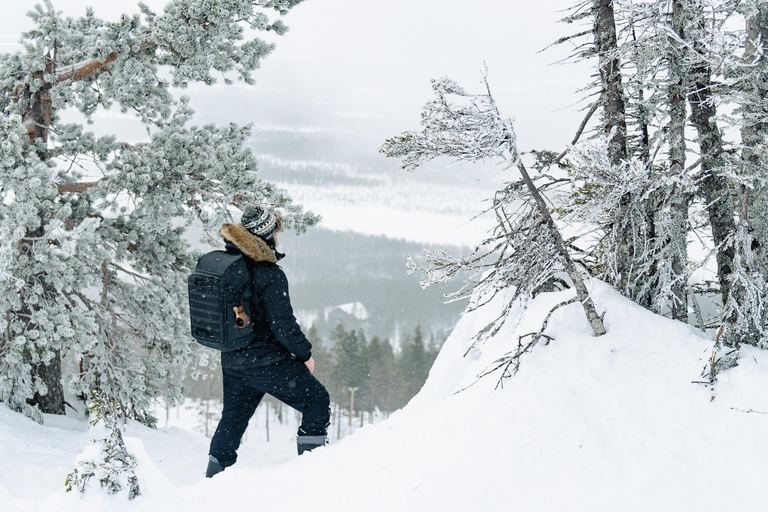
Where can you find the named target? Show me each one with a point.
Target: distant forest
(327, 268)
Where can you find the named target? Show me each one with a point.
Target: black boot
(309, 443)
(213, 467)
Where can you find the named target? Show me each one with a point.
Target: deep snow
(588, 424)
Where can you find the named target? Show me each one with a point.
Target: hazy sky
(361, 68)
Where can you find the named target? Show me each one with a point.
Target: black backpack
(218, 287)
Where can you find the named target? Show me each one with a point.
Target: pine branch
(84, 69)
(78, 188)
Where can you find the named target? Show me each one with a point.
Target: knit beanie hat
(261, 222)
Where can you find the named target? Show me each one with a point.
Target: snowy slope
(588, 424)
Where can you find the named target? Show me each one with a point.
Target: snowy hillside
(588, 424)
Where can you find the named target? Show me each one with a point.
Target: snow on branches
(93, 260)
(470, 131)
(525, 251)
(109, 461)
(650, 217)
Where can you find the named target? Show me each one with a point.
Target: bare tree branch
(78, 188)
(582, 126)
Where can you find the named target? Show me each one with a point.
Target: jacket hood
(250, 245)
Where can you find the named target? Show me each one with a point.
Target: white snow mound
(588, 424)
(7, 504)
(157, 492)
(613, 423)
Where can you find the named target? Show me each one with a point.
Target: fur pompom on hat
(261, 222)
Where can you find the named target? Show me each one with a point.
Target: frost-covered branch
(525, 249)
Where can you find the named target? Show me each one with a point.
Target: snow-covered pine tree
(745, 309)
(626, 224)
(671, 218)
(623, 240)
(92, 256)
(525, 251)
(673, 53)
(638, 202)
(110, 463)
(713, 187)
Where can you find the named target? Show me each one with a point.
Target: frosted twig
(748, 411)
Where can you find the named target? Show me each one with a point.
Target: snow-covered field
(403, 208)
(588, 424)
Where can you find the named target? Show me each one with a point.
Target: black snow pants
(289, 381)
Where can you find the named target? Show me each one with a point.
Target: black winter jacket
(276, 333)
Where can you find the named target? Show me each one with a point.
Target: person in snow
(279, 359)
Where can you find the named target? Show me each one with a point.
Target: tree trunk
(753, 138)
(610, 78)
(676, 239)
(714, 187)
(595, 320)
(53, 401)
(753, 132)
(36, 115)
(614, 123)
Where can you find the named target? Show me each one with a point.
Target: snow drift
(588, 424)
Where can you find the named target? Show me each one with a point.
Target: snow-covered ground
(402, 209)
(614, 423)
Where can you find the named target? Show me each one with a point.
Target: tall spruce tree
(348, 370)
(322, 355)
(381, 374)
(745, 308)
(414, 364)
(336, 385)
(714, 187)
(753, 107)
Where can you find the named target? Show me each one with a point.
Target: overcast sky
(361, 68)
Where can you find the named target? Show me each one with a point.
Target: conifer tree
(623, 240)
(336, 385)
(68, 229)
(349, 365)
(93, 262)
(364, 371)
(381, 375)
(322, 355)
(753, 107)
(414, 364)
(92, 259)
(714, 187)
(745, 308)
